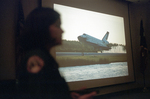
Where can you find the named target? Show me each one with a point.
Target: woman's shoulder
(36, 52)
(42, 53)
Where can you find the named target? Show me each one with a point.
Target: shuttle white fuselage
(102, 44)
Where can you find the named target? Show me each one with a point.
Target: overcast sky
(77, 21)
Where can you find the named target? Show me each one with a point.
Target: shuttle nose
(81, 38)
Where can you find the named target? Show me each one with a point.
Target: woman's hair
(36, 28)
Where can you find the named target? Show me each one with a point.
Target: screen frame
(103, 7)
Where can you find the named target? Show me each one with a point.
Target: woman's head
(37, 29)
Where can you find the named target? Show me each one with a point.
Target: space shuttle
(101, 44)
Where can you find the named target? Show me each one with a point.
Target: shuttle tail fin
(105, 36)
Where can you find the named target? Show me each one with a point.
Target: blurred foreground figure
(39, 77)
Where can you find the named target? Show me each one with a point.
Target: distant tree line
(76, 46)
(116, 45)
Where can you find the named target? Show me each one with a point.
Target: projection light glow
(93, 45)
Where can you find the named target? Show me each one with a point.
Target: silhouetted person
(39, 77)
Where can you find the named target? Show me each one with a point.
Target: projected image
(93, 45)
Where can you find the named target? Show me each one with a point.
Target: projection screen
(96, 49)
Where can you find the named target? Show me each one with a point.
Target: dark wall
(8, 11)
(8, 27)
(8, 24)
(140, 11)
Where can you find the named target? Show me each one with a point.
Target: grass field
(65, 61)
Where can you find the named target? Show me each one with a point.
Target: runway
(85, 53)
